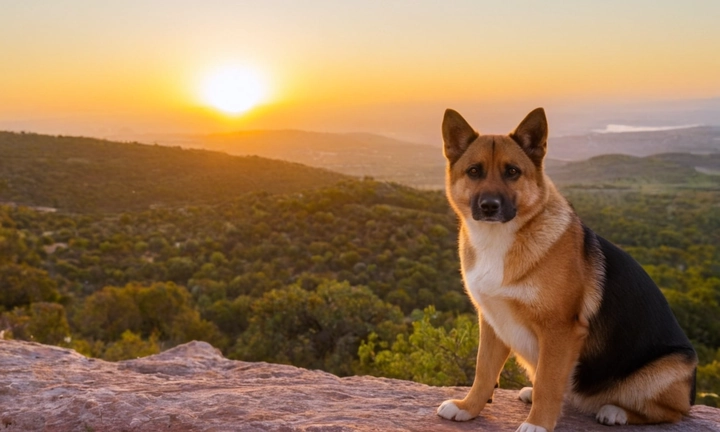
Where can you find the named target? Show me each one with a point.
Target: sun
(234, 90)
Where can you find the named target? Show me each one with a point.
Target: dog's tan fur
(534, 288)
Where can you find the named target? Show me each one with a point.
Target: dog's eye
(512, 171)
(474, 172)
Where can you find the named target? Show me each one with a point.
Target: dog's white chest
(484, 282)
(490, 244)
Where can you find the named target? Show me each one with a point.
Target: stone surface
(193, 388)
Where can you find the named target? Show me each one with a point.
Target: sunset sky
(91, 67)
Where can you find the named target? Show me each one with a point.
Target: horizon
(82, 68)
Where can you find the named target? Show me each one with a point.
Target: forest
(356, 277)
(87, 175)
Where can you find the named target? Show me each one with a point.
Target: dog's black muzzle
(492, 208)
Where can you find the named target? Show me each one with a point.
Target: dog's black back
(634, 325)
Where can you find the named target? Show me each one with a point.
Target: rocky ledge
(194, 388)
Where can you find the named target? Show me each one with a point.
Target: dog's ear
(457, 135)
(531, 134)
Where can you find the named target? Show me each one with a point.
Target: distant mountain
(91, 175)
(669, 169)
(423, 165)
(357, 154)
(703, 139)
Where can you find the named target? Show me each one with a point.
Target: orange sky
(84, 66)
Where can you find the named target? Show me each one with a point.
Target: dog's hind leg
(525, 395)
(660, 392)
(668, 406)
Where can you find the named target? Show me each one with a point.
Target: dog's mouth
(492, 208)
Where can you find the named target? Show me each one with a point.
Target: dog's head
(494, 178)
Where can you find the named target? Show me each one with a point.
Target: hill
(423, 165)
(90, 175)
(616, 170)
(701, 140)
(357, 154)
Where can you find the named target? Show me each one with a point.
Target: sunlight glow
(234, 90)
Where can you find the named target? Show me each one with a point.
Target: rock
(192, 387)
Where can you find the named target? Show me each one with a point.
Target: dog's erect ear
(532, 135)
(457, 135)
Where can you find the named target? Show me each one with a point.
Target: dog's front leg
(558, 353)
(492, 354)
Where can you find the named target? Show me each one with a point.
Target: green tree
(231, 317)
(433, 354)
(316, 329)
(180, 269)
(106, 314)
(708, 384)
(22, 284)
(697, 311)
(131, 346)
(164, 309)
(48, 324)
(14, 324)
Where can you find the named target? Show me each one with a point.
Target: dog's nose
(489, 206)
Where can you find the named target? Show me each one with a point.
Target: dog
(582, 317)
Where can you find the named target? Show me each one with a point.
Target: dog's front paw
(529, 427)
(450, 410)
(525, 394)
(611, 415)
